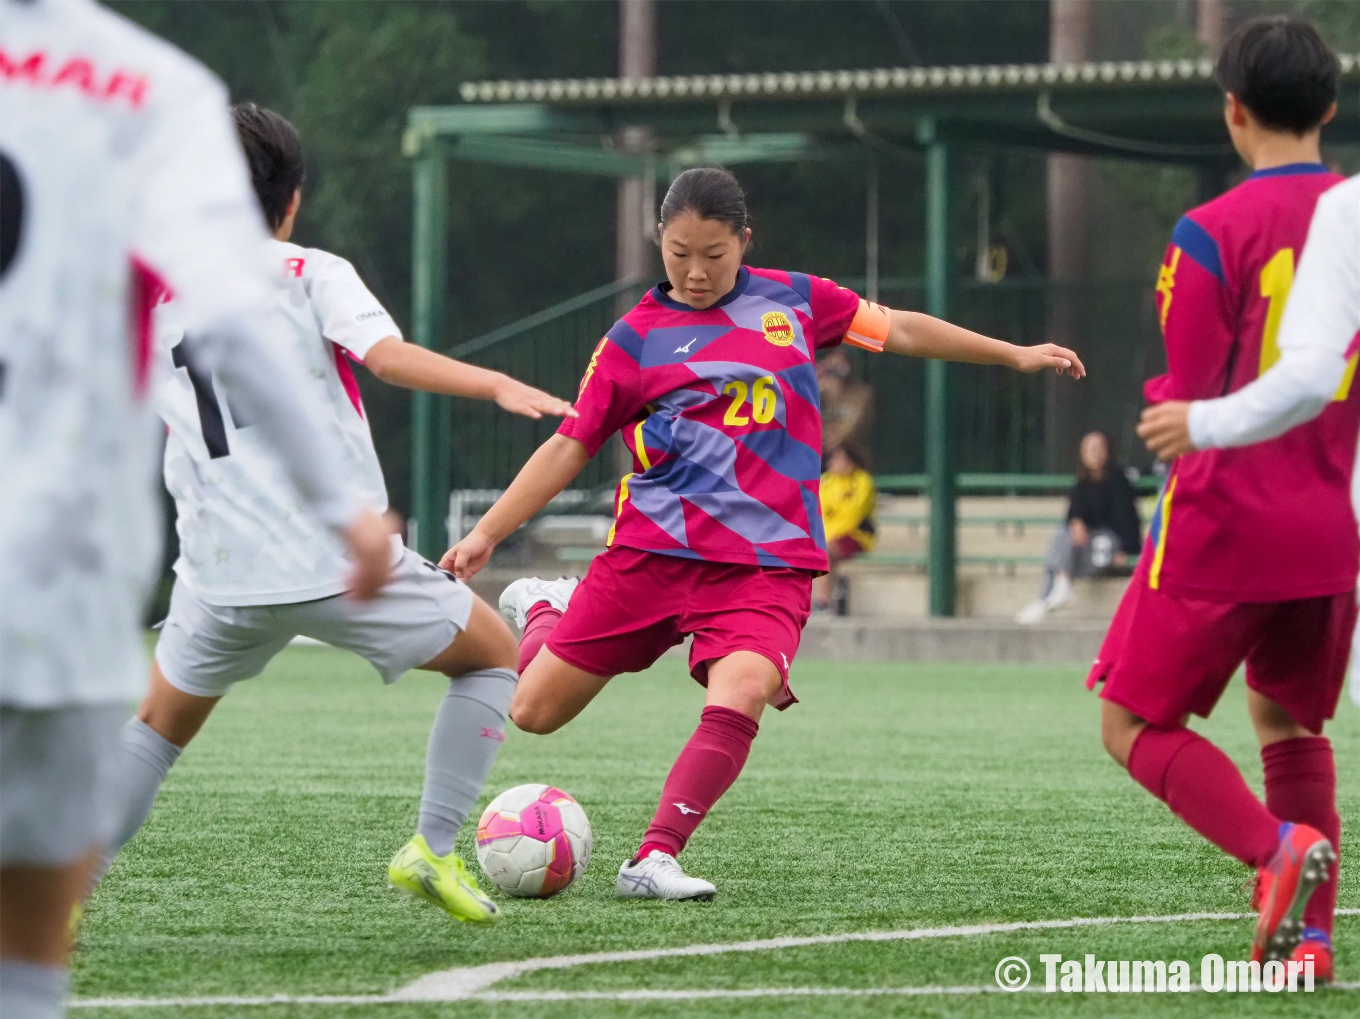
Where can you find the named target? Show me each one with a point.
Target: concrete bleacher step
(1066, 642)
(885, 593)
(1001, 544)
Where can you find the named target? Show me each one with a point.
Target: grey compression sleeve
(467, 734)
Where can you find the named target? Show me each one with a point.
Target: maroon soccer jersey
(1273, 521)
(720, 410)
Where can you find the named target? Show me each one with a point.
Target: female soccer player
(718, 530)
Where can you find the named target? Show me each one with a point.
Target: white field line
(468, 982)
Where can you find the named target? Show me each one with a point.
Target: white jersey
(118, 163)
(245, 537)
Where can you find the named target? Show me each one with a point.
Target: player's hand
(518, 398)
(1165, 429)
(466, 558)
(369, 540)
(1049, 355)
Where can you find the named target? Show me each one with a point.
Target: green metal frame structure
(1168, 112)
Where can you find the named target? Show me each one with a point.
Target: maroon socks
(1301, 787)
(1204, 789)
(705, 769)
(539, 624)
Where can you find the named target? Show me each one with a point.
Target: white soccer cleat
(525, 593)
(1032, 613)
(660, 877)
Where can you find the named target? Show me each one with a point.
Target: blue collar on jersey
(665, 299)
(1289, 169)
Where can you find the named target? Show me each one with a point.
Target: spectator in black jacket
(1101, 533)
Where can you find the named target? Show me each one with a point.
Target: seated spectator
(847, 405)
(847, 514)
(1101, 533)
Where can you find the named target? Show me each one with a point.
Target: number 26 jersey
(721, 412)
(245, 536)
(1272, 521)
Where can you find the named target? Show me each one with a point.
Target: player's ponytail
(710, 193)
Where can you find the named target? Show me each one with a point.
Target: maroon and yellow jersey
(1273, 521)
(721, 412)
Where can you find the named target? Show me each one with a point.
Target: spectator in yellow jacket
(847, 514)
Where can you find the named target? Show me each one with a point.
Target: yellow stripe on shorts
(1164, 511)
(618, 510)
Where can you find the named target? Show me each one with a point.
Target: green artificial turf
(894, 796)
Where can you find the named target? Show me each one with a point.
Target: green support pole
(430, 415)
(939, 446)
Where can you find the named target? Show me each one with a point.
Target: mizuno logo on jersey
(685, 348)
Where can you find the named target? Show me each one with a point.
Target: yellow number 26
(764, 401)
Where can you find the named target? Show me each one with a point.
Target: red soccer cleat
(1283, 887)
(1315, 945)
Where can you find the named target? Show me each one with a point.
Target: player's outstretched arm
(413, 367)
(918, 335)
(551, 469)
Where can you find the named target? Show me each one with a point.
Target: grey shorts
(57, 775)
(204, 649)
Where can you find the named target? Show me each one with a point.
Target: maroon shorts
(1165, 657)
(632, 606)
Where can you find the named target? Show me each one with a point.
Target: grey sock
(468, 731)
(31, 991)
(144, 759)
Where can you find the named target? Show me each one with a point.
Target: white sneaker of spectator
(1059, 594)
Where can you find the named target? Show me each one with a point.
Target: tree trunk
(1213, 25)
(1069, 214)
(635, 220)
(637, 59)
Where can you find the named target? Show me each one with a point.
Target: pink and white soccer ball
(533, 841)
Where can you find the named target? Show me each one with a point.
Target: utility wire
(1057, 125)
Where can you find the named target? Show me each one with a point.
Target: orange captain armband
(869, 328)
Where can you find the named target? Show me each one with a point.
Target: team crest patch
(778, 329)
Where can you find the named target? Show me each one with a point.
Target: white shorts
(204, 649)
(58, 772)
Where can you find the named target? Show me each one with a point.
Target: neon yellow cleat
(443, 880)
(73, 922)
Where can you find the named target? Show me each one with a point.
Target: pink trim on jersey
(145, 291)
(1353, 346)
(347, 379)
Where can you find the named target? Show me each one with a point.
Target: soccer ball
(533, 841)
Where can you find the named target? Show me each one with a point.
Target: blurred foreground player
(253, 573)
(718, 530)
(117, 163)
(1253, 553)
